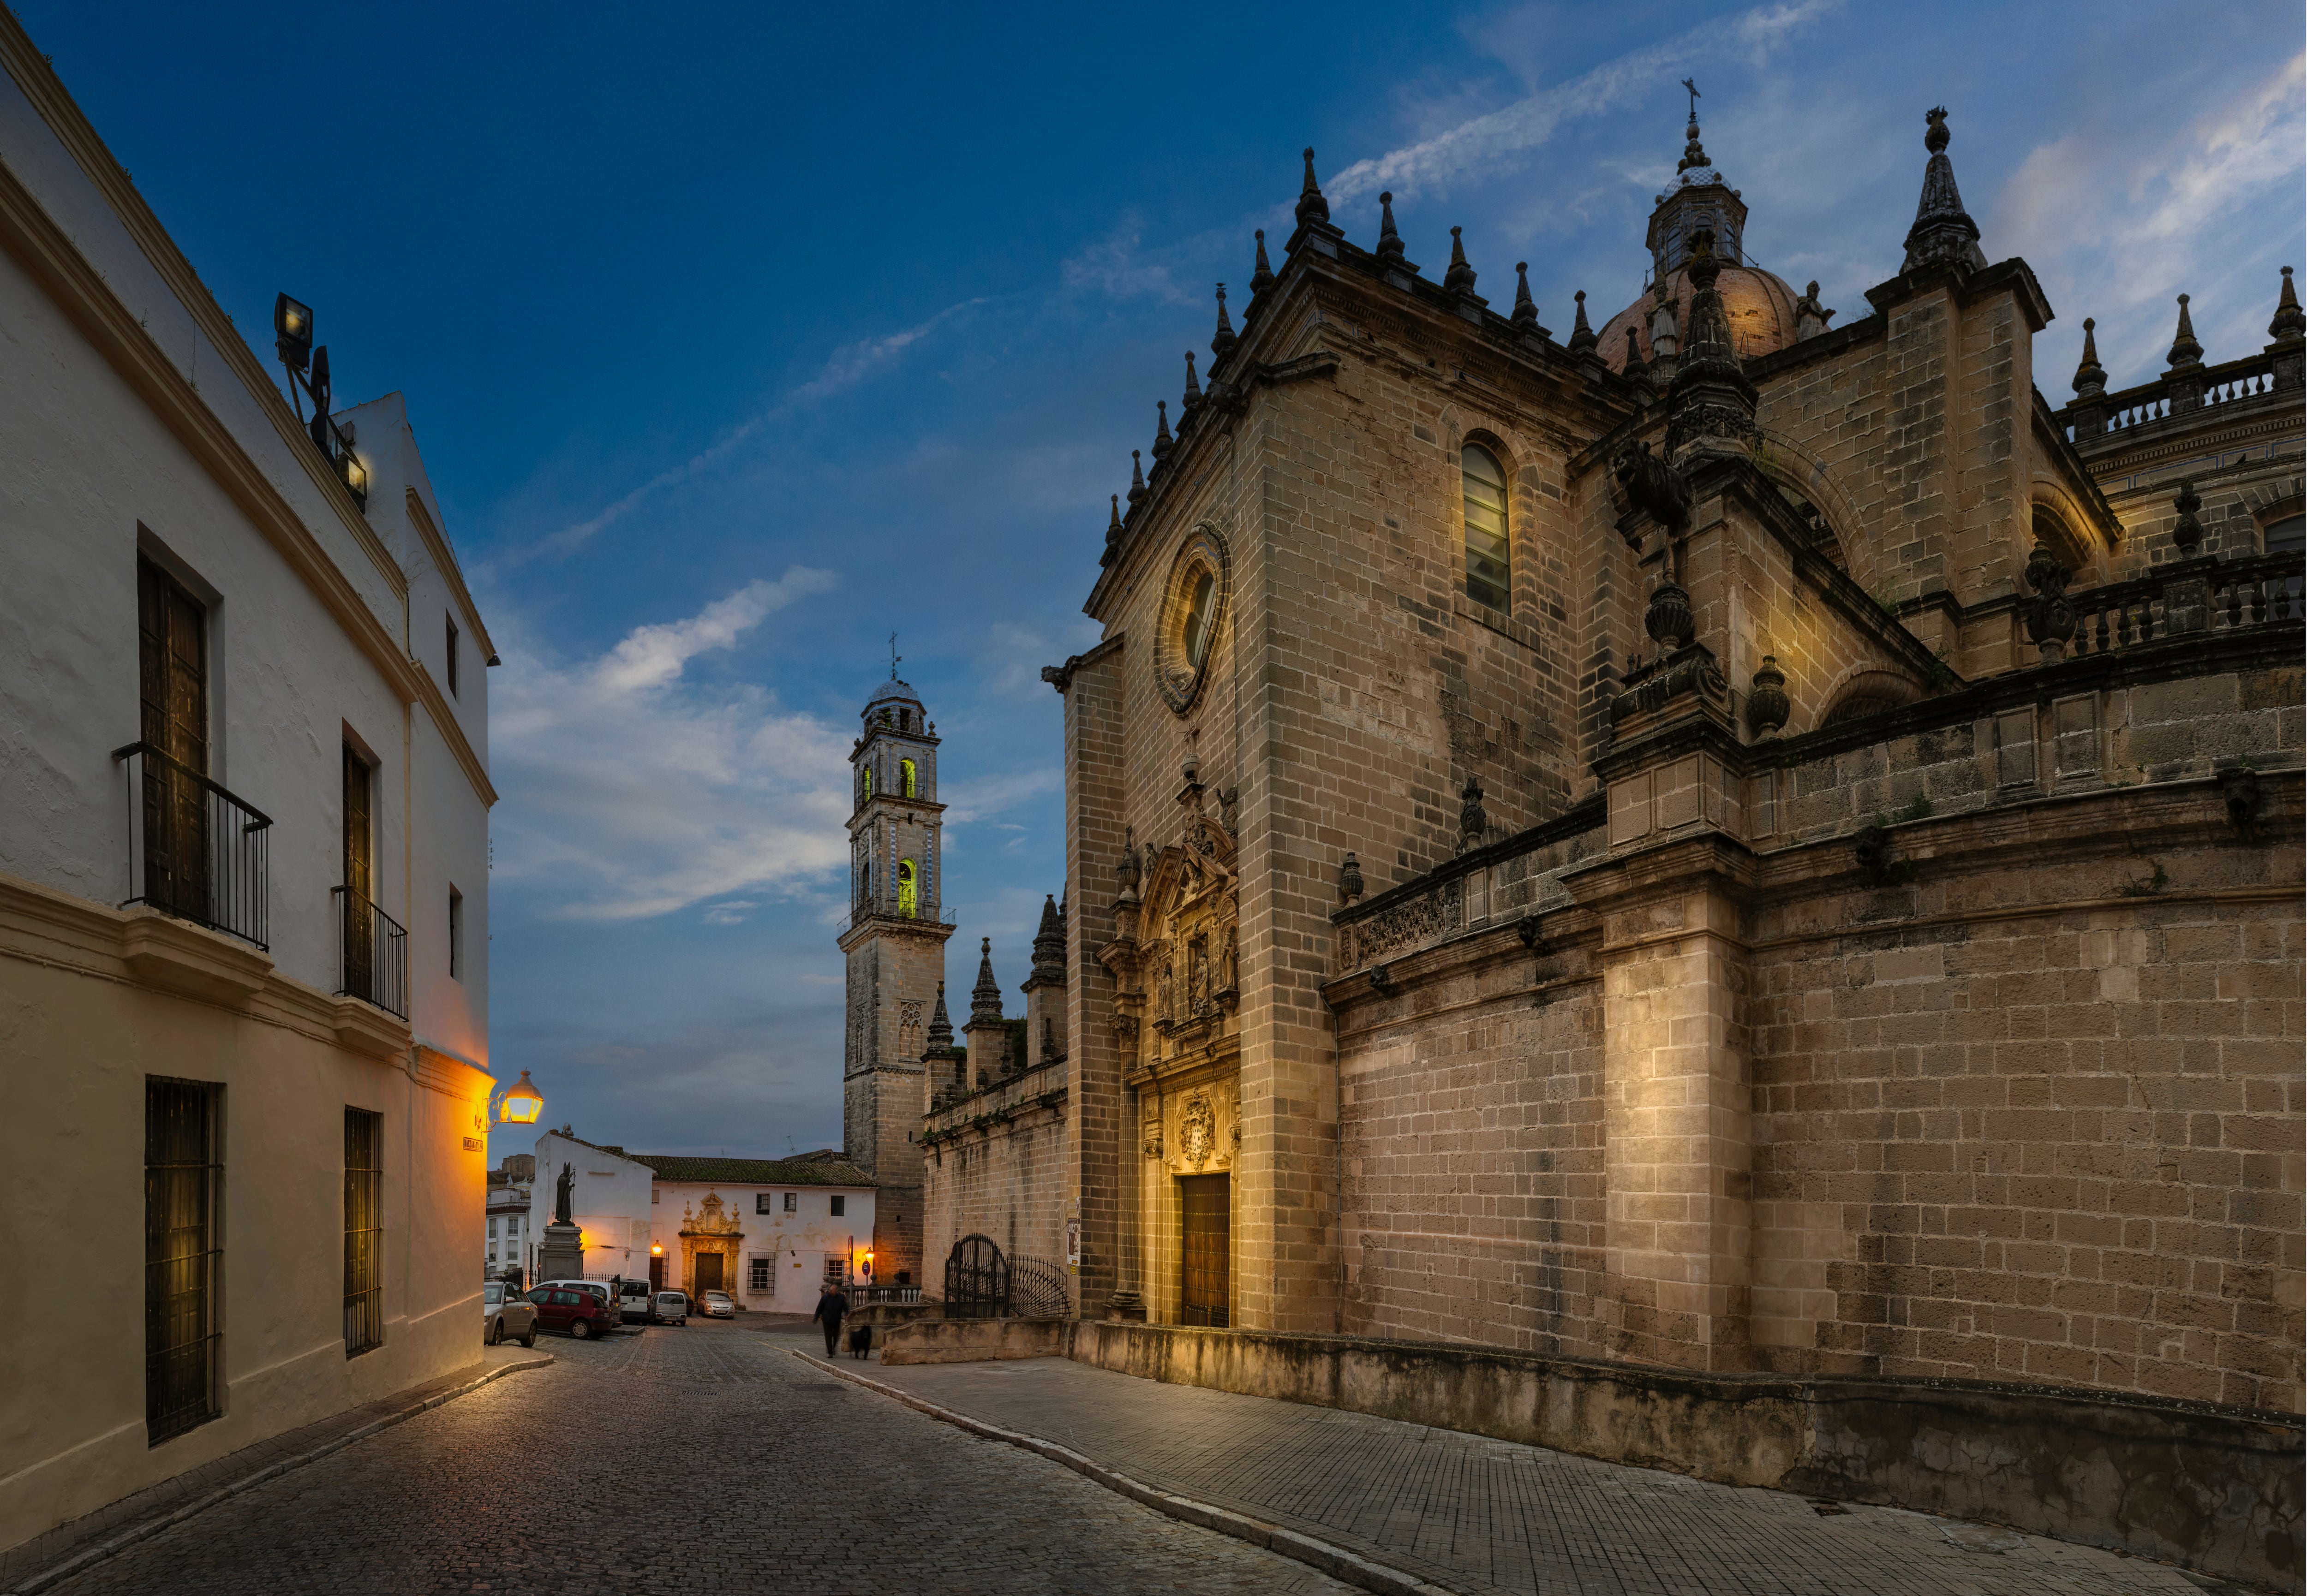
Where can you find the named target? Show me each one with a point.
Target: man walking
(830, 1307)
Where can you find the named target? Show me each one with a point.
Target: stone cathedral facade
(1749, 841)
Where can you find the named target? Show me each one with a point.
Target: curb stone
(81, 1561)
(1335, 1561)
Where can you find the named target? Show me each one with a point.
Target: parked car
(573, 1309)
(633, 1300)
(602, 1289)
(506, 1315)
(716, 1304)
(669, 1308)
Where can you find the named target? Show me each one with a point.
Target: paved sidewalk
(1482, 1516)
(40, 1561)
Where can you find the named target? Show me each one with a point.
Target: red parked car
(578, 1314)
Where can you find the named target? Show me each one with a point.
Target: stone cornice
(1294, 303)
(63, 931)
(1967, 286)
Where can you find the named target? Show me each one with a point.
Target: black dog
(861, 1341)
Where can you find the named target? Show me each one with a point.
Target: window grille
(792, 1201)
(363, 1230)
(758, 1274)
(184, 1191)
(760, 1202)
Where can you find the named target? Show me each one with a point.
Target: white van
(634, 1301)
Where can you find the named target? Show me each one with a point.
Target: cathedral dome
(1758, 303)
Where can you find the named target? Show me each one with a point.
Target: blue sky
(737, 339)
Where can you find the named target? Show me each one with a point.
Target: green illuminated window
(909, 895)
(906, 770)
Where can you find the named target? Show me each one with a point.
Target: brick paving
(1480, 1516)
(699, 1459)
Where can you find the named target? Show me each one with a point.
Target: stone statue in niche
(1229, 975)
(1198, 975)
(1164, 1008)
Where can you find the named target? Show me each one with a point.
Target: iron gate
(976, 1280)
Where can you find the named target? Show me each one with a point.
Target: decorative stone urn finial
(1768, 707)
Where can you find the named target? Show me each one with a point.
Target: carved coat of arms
(1197, 1131)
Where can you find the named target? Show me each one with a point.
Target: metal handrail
(372, 953)
(212, 864)
(933, 913)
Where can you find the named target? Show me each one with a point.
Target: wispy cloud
(1118, 267)
(2117, 216)
(989, 796)
(848, 367)
(633, 792)
(1481, 142)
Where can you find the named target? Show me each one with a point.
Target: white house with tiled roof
(770, 1232)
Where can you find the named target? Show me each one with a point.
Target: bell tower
(894, 942)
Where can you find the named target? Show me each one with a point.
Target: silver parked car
(506, 1315)
(716, 1304)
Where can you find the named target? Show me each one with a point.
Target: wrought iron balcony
(372, 953)
(195, 851)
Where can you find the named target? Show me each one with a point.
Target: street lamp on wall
(521, 1104)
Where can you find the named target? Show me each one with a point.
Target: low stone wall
(2217, 1489)
(886, 1317)
(976, 1340)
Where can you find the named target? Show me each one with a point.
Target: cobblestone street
(700, 1459)
(711, 1459)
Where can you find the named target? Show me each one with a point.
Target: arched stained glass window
(909, 893)
(1488, 580)
(905, 770)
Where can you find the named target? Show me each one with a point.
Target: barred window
(792, 1201)
(363, 1230)
(759, 1274)
(184, 1191)
(1487, 575)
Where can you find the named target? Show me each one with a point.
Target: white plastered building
(244, 858)
(770, 1232)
